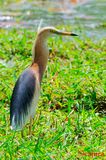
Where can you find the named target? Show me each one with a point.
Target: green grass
(66, 124)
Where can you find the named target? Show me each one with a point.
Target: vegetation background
(70, 122)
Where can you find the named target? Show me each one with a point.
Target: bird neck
(40, 54)
(40, 49)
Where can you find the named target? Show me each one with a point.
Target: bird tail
(16, 123)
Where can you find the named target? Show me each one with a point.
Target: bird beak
(73, 34)
(64, 33)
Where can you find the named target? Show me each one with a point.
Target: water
(88, 17)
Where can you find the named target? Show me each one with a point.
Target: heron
(26, 92)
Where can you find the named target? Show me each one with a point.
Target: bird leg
(30, 126)
(22, 133)
(33, 120)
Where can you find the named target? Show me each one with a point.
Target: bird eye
(51, 31)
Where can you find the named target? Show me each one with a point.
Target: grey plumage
(21, 100)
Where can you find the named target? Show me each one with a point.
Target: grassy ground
(66, 124)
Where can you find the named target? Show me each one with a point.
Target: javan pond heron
(27, 88)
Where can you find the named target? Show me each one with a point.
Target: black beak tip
(73, 34)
